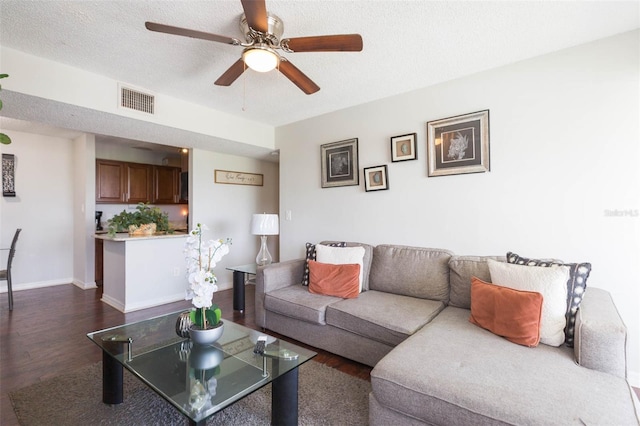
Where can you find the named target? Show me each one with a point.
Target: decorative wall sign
(8, 175)
(376, 178)
(459, 144)
(340, 163)
(238, 178)
(403, 148)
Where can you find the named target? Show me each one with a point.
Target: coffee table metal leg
(112, 377)
(284, 399)
(238, 291)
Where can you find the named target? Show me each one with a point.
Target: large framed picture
(376, 178)
(340, 163)
(403, 148)
(458, 145)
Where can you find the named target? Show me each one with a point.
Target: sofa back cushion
(461, 270)
(411, 271)
(366, 262)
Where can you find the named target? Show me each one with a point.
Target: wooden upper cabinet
(166, 185)
(132, 183)
(110, 181)
(138, 183)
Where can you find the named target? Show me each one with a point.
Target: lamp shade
(265, 224)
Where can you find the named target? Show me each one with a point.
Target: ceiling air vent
(136, 100)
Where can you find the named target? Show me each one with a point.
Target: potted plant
(145, 220)
(201, 257)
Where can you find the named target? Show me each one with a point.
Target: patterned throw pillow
(311, 255)
(576, 286)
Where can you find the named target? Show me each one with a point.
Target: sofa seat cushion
(295, 301)
(462, 374)
(384, 317)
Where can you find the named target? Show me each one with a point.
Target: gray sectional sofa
(432, 366)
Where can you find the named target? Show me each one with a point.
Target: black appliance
(98, 221)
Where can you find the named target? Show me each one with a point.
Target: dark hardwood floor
(45, 335)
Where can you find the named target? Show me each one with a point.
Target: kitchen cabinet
(138, 183)
(109, 181)
(132, 183)
(166, 185)
(99, 262)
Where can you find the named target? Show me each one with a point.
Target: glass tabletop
(198, 380)
(247, 269)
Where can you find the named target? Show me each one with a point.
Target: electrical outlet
(176, 271)
(287, 215)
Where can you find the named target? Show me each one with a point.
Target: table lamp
(263, 225)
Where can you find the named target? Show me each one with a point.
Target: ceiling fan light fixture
(260, 58)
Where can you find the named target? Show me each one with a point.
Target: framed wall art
(376, 178)
(403, 148)
(340, 163)
(8, 175)
(458, 145)
(238, 178)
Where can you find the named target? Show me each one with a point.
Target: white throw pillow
(550, 282)
(341, 256)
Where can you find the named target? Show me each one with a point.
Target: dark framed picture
(403, 148)
(458, 145)
(340, 163)
(8, 175)
(376, 178)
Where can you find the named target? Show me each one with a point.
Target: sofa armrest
(600, 335)
(273, 277)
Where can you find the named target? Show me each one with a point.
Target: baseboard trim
(154, 302)
(83, 285)
(112, 302)
(34, 285)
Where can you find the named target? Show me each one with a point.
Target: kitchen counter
(142, 272)
(123, 236)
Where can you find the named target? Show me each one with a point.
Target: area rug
(326, 397)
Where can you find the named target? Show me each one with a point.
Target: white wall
(83, 208)
(227, 209)
(564, 152)
(43, 208)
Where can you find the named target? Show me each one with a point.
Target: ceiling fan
(263, 32)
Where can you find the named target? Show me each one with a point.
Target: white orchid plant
(201, 257)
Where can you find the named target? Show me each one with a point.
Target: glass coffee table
(200, 381)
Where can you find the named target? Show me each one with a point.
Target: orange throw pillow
(334, 280)
(512, 314)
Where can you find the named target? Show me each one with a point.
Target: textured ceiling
(407, 45)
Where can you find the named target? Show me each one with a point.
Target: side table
(240, 274)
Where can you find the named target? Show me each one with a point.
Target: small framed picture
(376, 178)
(340, 163)
(403, 148)
(459, 144)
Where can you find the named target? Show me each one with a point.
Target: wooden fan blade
(327, 43)
(231, 74)
(161, 28)
(297, 77)
(256, 13)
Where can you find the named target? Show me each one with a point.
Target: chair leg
(10, 291)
